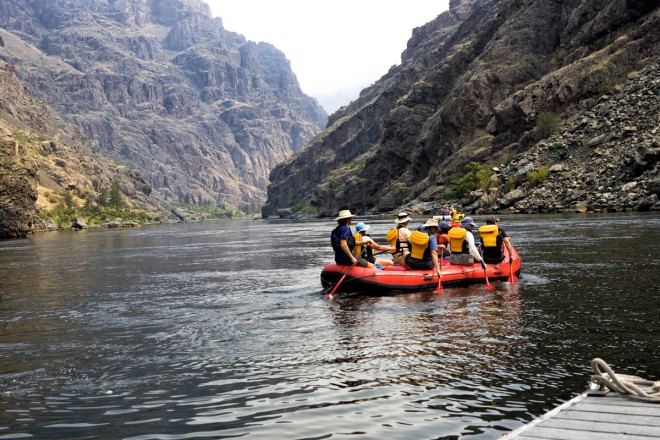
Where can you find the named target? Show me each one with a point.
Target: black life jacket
(368, 254)
(365, 250)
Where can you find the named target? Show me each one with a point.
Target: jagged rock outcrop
(40, 155)
(606, 158)
(18, 190)
(162, 86)
(470, 87)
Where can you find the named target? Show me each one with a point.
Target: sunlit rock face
(201, 113)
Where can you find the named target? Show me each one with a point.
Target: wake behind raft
(396, 279)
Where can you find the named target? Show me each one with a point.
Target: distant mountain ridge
(471, 87)
(202, 113)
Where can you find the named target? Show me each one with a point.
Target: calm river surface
(221, 330)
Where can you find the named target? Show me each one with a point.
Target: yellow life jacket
(457, 240)
(357, 249)
(419, 241)
(391, 237)
(457, 216)
(488, 234)
(493, 244)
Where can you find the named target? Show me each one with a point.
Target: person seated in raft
(343, 242)
(445, 214)
(424, 248)
(463, 250)
(367, 251)
(456, 217)
(399, 238)
(494, 239)
(443, 238)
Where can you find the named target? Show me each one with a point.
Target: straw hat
(430, 223)
(345, 213)
(402, 218)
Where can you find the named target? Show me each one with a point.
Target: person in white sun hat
(343, 242)
(399, 238)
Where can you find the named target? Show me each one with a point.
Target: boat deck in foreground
(586, 417)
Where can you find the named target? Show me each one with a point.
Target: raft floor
(586, 417)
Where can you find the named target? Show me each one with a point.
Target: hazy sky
(333, 46)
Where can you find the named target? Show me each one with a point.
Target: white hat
(402, 218)
(430, 223)
(345, 213)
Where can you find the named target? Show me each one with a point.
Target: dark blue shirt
(339, 233)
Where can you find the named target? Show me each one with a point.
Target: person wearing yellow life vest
(494, 240)
(463, 250)
(424, 248)
(399, 238)
(366, 251)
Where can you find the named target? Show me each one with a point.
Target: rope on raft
(624, 384)
(331, 285)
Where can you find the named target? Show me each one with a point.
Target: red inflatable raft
(395, 279)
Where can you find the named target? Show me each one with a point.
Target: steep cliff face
(471, 85)
(605, 158)
(161, 85)
(40, 154)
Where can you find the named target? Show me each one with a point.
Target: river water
(221, 330)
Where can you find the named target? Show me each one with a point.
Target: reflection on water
(222, 330)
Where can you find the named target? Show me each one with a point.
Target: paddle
(332, 292)
(483, 264)
(512, 275)
(439, 288)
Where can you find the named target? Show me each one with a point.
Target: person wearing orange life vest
(443, 238)
(366, 251)
(464, 252)
(424, 248)
(399, 238)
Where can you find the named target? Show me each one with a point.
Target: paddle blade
(332, 292)
(513, 279)
(439, 288)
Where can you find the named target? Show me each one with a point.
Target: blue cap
(467, 221)
(361, 227)
(444, 225)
